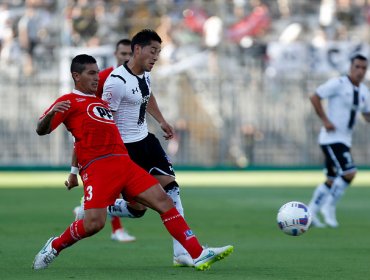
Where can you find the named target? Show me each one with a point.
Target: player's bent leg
(319, 196)
(181, 258)
(175, 224)
(328, 210)
(94, 220)
(92, 223)
(156, 199)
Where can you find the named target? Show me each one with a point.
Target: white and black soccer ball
(294, 218)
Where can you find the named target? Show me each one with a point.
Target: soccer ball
(294, 218)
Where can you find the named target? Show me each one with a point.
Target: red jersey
(103, 75)
(91, 123)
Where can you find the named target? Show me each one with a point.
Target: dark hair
(79, 62)
(126, 42)
(358, 56)
(144, 38)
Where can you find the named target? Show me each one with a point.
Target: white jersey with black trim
(128, 96)
(339, 93)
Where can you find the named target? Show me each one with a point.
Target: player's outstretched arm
(44, 124)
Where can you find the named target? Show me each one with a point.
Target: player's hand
(61, 107)
(72, 181)
(168, 130)
(329, 126)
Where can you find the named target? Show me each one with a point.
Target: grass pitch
(243, 217)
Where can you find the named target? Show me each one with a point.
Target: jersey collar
(129, 70)
(76, 91)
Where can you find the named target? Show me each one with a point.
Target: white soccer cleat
(46, 256)
(183, 260)
(328, 213)
(121, 235)
(211, 255)
(119, 209)
(317, 223)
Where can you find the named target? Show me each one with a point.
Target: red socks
(172, 220)
(72, 234)
(116, 223)
(178, 228)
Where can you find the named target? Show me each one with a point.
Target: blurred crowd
(264, 52)
(32, 31)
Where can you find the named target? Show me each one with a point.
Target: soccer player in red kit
(102, 156)
(122, 54)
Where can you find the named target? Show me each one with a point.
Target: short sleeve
(330, 88)
(58, 117)
(113, 92)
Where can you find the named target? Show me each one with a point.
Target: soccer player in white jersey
(128, 92)
(346, 97)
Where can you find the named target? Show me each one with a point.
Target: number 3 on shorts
(89, 193)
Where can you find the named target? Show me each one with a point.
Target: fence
(236, 116)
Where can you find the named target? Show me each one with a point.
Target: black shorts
(149, 154)
(338, 160)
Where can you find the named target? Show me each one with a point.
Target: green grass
(244, 217)
(193, 179)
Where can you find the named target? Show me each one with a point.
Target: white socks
(319, 196)
(337, 191)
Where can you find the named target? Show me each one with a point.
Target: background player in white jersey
(122, 54)
(346, 96)
(129, 95)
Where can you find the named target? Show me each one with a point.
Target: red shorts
(105, 179)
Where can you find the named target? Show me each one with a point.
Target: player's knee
(171, 186)
(93, 226)
(329, 183)
(165, 202)
(136, 213)
(349, 177)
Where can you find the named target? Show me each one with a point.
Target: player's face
(87, 81)
(149, 55)
(123, 54)
(358, 70)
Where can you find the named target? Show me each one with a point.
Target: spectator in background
(28, 28)
(84, 24)
(9, 48)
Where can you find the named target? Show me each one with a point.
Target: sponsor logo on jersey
(107, 96)
(100, 113)
(80, 99)
(85, 177)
